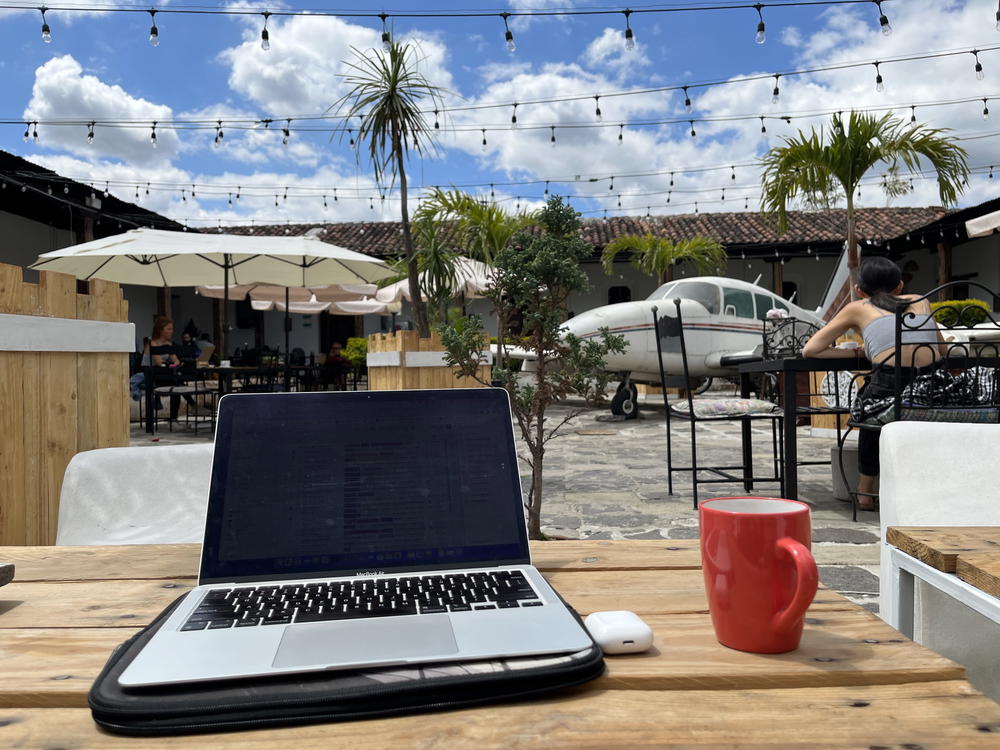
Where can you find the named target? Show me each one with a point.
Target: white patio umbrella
(472, 279)
(345, 307)
(155, 257)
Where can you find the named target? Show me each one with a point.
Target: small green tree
(533, 276)
(657, 256)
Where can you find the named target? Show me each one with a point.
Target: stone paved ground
(606, 479)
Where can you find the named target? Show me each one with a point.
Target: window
(763, 305)
(700, 291)
(661, 291)
(737, 302)
(618, 294)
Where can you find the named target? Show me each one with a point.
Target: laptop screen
(346, 482)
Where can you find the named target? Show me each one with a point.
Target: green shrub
(960, 312)
(357, 351)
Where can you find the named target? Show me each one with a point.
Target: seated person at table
(166, 363)
(880, 287)
(336, 367)
(187, 352)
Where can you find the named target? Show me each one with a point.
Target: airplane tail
(838, 288)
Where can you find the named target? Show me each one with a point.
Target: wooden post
(944, 268)
(54, 402)
(777, 278)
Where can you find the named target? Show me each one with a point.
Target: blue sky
(101, 66)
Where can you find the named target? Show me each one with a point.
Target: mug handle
(807, 581)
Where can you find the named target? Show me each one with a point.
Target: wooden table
(962, 561)
(854, 681)
(788, 370)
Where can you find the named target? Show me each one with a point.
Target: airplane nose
(584, 323)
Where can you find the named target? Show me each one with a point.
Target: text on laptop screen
(349, 482)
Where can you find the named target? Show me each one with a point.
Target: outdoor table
(788, 369)
(226, 375)
(854, 681)
(961, 561)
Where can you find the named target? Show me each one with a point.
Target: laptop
(356, 529)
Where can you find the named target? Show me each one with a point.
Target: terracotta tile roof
(734, 230)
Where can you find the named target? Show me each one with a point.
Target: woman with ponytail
(880, 286)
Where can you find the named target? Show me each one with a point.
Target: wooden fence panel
(414, 371)
(54, 404)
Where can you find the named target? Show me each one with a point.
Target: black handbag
(287, 700)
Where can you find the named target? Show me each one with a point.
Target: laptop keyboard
(370, 597)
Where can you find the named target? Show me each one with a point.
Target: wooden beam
(944, 268)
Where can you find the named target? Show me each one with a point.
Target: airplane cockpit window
(737, 302)
(661, 291)
(766, 302)
(700, 291)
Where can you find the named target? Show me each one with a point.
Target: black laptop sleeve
(288, 700)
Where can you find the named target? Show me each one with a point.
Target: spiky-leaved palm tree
(825, 162)
(386, 93)
(657, 256)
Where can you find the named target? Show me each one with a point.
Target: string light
(763, 127)
(597, 108)
(386, 40)
(219, 135)
(508, 35)
(484, 140)
(493, 196)
(46, 31)
(998, 17)
(979, 66)
(106, 188)
(759, 37)
(629, 37)
(335, 195)
(687, 100)
(611, 185)
(621, 129)
(619, 200)
(746, 203)
(733, 175)
(693, 134)
(154, 33)
(90, 133)
(265, 37)
(286, 132)
(991, 171)
(986, 110)
(513, 117)
(883, 20)
(879, 86)
(913, 113)
(777, 92)
(671, 179)
(152, 135)
(552, 139)
(546, 189)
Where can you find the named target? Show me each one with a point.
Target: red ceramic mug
(760, 576)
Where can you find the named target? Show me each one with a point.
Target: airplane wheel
(625, 402)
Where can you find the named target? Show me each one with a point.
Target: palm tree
(386, 94)
(819, 165)
(657, 256)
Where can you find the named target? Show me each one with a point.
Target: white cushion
(725, 407)
(143, 495)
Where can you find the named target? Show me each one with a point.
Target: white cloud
(607, 52)
(791, 36)
(63, 91)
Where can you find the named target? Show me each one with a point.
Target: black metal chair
(698, 410)
(192, 387)
(955, 380)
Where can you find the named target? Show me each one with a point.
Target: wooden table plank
(55, 667)
(181, 560)
(941, 546)
(931, 716)
(980, 569)
(128, 603)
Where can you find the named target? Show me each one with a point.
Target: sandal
(866, 500)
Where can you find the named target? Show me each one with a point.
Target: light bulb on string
(687, 100)
(611, 185)
(986, 109)
(696, 206)
(46, 31)
(879, 85)
(386, 39)
(647, 211)
(723, 198)
(147, 188)
(152, 135)
(979, 66)
(371, 203)
(621, 129)
(437, 125)
(265, 36)
(913, 113)
(546, 189)
(671, 179)
(154, 33)
(107, 188)
(285, 196)
(90, 132)
(629, 36)
(732, 176)
(219, 135)
(669, 193)
(335, 195)
(597, 108)
(883, 19)
(286, 132)
(776, 93)
(34, 131)
(275, 200)
(484, 140)
(619, 200)
(760, 37)
(991, 171)
(693, 133)
(508, 35)
(192, 191)
(998, 20)
(27, 132)
(230, 201)
(325, 205)
(552, 138)
(746, 203)
(513, 117)
(763, 127)
(493, 196)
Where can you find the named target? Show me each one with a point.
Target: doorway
(338, 328)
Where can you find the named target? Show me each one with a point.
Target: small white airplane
(723, 327)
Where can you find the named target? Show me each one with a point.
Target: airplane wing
(514, 352)
(734, 358)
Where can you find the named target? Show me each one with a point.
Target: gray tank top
(880, 334)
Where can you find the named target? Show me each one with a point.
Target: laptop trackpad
(374, 640)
